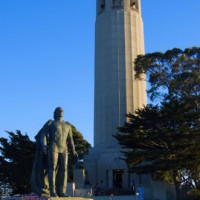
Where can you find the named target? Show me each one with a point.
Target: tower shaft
(118, 40)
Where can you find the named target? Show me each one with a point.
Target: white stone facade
(119, 39)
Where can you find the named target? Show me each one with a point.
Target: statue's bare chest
(58, 132)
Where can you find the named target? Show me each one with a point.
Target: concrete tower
(118, 40)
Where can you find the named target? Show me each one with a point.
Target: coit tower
(118, 40)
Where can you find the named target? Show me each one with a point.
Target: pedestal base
(69, 198)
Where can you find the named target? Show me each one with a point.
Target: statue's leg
(63, 174)
(52, 163)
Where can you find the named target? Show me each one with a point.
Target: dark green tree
(82, 147)
(16, 161)
(173, 74)
(164, 138)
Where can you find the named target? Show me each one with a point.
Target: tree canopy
(16, 161)
(81, 145)
(163, 137)
(173, 74)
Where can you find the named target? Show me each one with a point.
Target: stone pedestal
(69, 198)
(71, 189)
(79, 178)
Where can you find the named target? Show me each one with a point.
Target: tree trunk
(177, 185)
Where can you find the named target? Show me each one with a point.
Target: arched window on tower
(101, 6)
(134, 4)
(117, 3)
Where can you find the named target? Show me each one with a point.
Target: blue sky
(47, 56)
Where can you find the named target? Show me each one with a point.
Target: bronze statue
(49, 175)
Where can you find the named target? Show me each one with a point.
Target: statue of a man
(53, 140)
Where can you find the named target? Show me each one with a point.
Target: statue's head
(58, 113)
